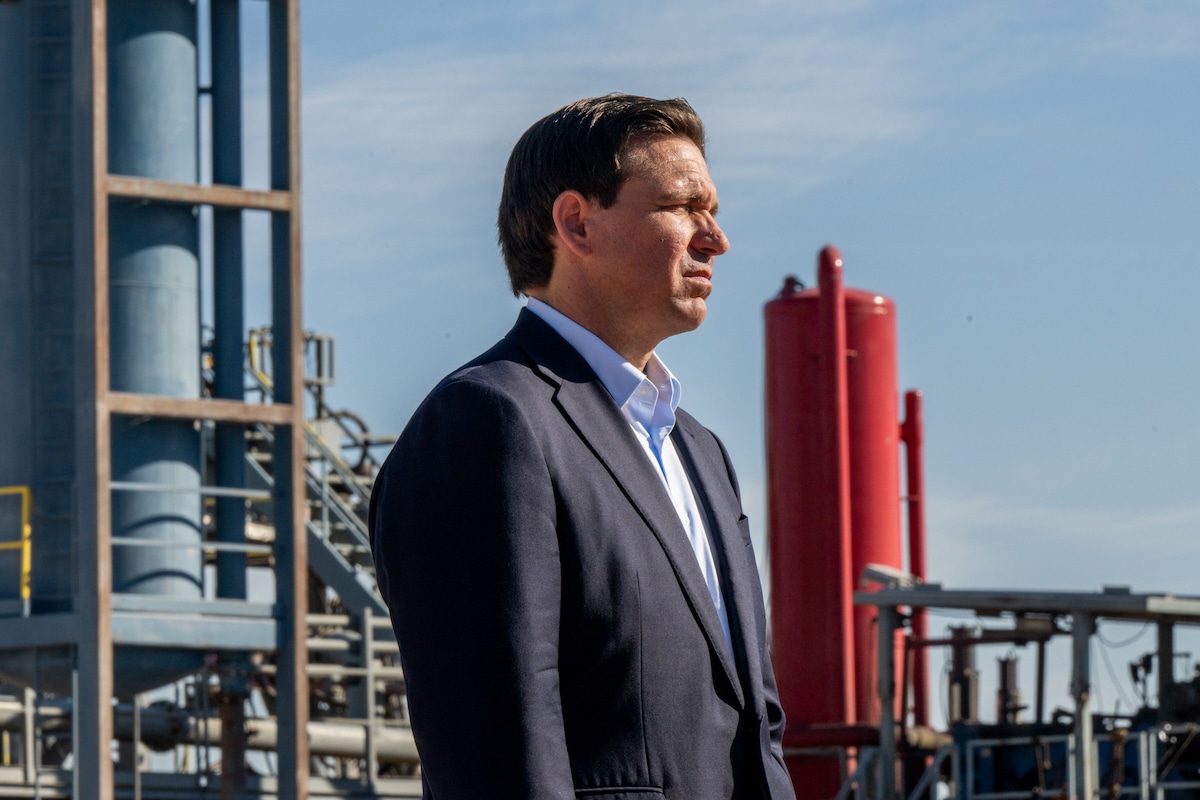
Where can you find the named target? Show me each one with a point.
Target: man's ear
(571, 223)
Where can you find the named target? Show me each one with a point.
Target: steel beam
(291, 565)
(197, 195)
(94, 656)
(146, 405)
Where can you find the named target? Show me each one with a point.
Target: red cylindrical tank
(875, 529)
(833, 499)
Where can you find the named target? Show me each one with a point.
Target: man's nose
(712, 240)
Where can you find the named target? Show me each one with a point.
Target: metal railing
(25, 543)
(1039, 744)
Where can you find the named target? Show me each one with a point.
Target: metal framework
(99, 619)
(1083, 609)
(169, 474)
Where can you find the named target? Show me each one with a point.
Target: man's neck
(635, 354)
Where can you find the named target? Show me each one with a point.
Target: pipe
(164, 727)
(913, 434)
(835, 416)
(1166, 670)
(228, 289)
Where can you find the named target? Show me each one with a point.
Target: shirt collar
(621, 378)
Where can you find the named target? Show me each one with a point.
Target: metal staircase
(337, 493)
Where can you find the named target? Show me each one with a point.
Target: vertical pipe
(889, 619)
(368, 623)
(136, 747)
(228, 289)
(1040, 707)
(913, 433)
(964, 678)
(29, 742)
(291, 569)
(834, 417)
(1081, 640)
(1008, 695)
(1166, 670)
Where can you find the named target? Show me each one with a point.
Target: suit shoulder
(503, 370)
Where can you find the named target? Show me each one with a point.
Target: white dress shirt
(648, 401)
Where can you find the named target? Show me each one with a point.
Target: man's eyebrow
(690, 197)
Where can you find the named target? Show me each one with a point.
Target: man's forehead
(673, 159)
(657, 150)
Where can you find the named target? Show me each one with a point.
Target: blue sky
(1021, 178)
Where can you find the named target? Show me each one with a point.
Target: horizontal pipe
(338, 670)
(165, 727)
(228, 547)
(207, 491)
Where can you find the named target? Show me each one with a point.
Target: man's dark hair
(582, 146)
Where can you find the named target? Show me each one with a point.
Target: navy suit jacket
(556, 634)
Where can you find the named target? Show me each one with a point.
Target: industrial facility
(849, 612)
(187, 600)
(186, 580)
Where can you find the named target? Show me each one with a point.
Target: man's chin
(691, 314)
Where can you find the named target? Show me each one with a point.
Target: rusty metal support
(193, 194)
(232, 707)
(93, 650)
(139, 405)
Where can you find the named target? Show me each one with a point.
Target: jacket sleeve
(464, 538)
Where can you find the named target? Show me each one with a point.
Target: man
(563, 551)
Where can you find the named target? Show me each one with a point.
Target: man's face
(657, 243)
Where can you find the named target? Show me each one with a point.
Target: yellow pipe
(254, 366)
(26, 543)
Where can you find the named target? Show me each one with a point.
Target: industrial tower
(134, 446)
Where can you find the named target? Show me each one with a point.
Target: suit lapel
(711, 482)
(590, 409)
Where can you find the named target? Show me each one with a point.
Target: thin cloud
(993, 540)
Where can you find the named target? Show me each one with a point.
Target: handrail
(855, 782)
(349, 479)
(928, 783)
(258, 353)
(25, 544)
(348, 517)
